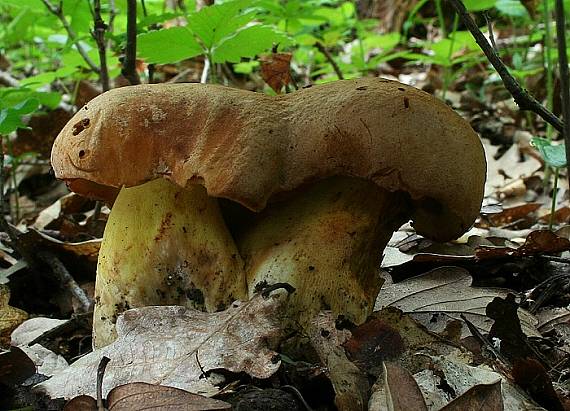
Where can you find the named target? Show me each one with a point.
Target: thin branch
(58, 12)
(130, 62)
(491, 34)
(330, 59)
(563, 67)
(66, 280)
(100, 374)
(98, 33)
(7, 80)
(524, 100)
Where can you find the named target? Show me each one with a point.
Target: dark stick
(130, 63)
(524, 100)
(100, 375)
(98, 33)
(563, 67)
(66, 279)
(329, 58)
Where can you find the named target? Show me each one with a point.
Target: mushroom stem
(164, 245)
(326, 242)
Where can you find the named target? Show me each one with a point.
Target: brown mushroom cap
(248, 147)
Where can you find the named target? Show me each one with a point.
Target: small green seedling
(555, 157)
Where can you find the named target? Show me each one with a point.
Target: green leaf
(512, 8)
(554, 155)
(213, 23)
(479, 5)
(79, 14)
(247, 42)
(168, 45)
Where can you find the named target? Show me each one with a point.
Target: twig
(77, 321)
(100, 374)
(299, 396)
(8, 80)
(58, 12)
(563, 67)
(66, 279)
(524, 100)
(150, 67)
(130, 62)
(477, 334)
(491, 34)
(98, 33)
(329, 58)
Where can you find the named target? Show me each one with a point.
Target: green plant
(554, 155)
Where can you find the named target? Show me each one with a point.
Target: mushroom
(320, 179)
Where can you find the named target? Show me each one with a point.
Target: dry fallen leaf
(47, 362)
(481, 397)
(451, 374)
(349, 383)
(276, 70)
(396, 390)
(15, 367)
(157, 397)
(442, 295)
(177, 347)
(10, 317)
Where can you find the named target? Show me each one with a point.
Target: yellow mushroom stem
(327, 242)
(164, 245)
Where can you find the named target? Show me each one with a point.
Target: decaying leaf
(537, 242)
(442, 295)
(47, 362)
(444, 375)
(275, 70)
(349, 383)
(158, 397)
(15, 366)
(10, 317)
(396, 390)
(482, 397)
(177, 347)
(531, 375)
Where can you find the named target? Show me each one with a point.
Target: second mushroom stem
(327, 242)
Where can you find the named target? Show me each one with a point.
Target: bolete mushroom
(327, 174)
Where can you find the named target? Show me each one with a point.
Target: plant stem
(58, 12)
(98, 33)
(130, 62)
(554, 195)
(330, 59)
(524, 100)
(548, 62)
(563, 67)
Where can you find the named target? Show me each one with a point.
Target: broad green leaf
(512, 8)
(479, 5)
(553, 155)
(213, 23)
(11, 117)
(381, 41)
(79, 15)
(10, 121)
(48, 99)
(247, 42)
(167, 45)
(19, 28)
